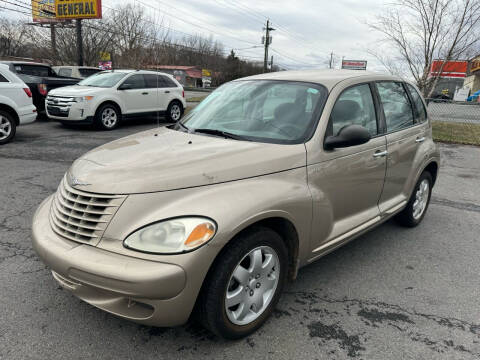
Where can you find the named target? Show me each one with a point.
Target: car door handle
(419, 140)
(145, 93)
(380, 153)
(167, 92)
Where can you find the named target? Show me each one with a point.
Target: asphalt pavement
(394, 293)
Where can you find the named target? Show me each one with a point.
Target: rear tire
(174, 111)
(417, 206)
(107, 117)
(8, 127)
(233, 308)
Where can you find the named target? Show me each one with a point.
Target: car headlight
(83, 98)
(172, 236)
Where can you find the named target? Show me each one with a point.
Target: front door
(136, 95)
(351, 179)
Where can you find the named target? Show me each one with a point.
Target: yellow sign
(206, 73)
(43, 11)
(105, 56)
(78, 9)
(475, 65)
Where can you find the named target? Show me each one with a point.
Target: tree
(422, 31)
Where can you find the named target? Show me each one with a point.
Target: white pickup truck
(16, 106)
(108, 97)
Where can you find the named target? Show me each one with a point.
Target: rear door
(157, 97)
(405, 128)
(171, 90)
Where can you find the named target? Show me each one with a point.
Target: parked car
(77, 72)
(16, 106)
(40, 78)
(215, 213)
(108, 97)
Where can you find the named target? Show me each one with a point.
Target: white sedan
(108, 97)
(16, 106)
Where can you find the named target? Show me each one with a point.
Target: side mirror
(350, 135)
(125, 86)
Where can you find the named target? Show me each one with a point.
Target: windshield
(103, 79)
(260, 110)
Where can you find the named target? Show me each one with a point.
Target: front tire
(245, 285)
(174, 111)
(8, 127)
(417, 206)
(107, 117)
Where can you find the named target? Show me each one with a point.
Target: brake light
(28, 91)
(42, 89)
(183, 93)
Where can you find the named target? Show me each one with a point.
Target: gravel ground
(394, 293)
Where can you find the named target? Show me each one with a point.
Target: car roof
(327, 77)
(24, 63)
(75, 67)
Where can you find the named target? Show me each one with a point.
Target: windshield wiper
(216, 132)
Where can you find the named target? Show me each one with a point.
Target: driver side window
(354, 107)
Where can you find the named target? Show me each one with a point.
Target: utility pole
(267, 43)
(331, 60)
(54, 41)
(271, 64)
(79, 43)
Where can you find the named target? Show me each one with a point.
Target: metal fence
(453, 121)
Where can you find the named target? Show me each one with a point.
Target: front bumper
(144, 291)
(69, 111)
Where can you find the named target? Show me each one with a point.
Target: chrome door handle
(419, 140)
(380, 153)
(145, 93)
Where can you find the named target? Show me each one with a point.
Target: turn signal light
(200, 234)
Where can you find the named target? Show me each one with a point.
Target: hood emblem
(75, 182)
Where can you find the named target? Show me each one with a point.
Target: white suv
(110, 96)
(16, 106)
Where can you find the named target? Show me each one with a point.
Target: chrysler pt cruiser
(213, 215)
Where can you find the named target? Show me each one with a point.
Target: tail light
(28, 92)
(183, 93)
(42, 89)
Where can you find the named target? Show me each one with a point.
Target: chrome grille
(59, 105)
(81, 216)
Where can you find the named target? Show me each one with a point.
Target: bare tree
(422, 31)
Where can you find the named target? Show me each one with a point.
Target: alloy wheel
(252, 285)
(109, 117)
(421, 199)
(175, 112)
(5, 127)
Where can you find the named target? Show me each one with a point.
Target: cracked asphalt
(394, 293)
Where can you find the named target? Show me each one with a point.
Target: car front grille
(59, 105)
(81, 216)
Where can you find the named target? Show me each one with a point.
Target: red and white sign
(451, 69)
(354, 64)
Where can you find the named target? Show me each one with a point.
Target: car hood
(163, 159)
(75, 90)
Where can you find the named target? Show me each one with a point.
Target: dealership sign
(354, 64)
(78, 9)
(43, 11)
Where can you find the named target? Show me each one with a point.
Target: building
(472, 80)
(189, 76)
(451, 77)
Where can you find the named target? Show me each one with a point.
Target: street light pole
(79, 43)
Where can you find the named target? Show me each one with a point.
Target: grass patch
(457, 133)
(196, 98)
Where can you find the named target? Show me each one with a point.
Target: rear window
(168, 81)
(88, 72)
(35, 70)
(65, 72)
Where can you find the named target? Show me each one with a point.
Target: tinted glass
(419, 109)
(153, 81)
(396, 105)
(135, 82)
(3, 79)
(168, 82)
(354, 107)
(36, 70)
(65, 72)
(269, 111)
(103, 79)
(88, 72)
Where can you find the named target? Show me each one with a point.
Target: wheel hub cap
(5, 128)
(175, 112)
(252, 285)
(421, 199)
(109, 117)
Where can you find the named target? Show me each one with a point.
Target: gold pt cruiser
(212, 216)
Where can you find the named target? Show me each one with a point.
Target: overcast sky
(307, 30)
